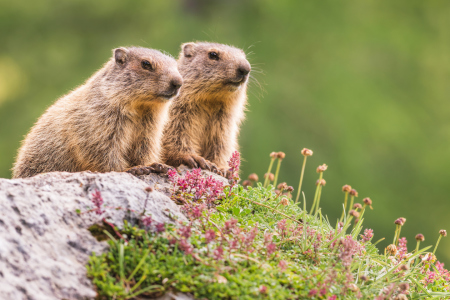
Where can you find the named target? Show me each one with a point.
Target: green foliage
(313, 258)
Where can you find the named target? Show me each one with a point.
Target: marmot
(204, 118)
(112, 122)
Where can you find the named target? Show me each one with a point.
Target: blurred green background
(364, 84)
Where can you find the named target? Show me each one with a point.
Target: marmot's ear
(120, 55)
(188, 49)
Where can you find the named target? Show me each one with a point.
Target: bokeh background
(364, 84)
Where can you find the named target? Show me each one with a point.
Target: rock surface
(45, 244)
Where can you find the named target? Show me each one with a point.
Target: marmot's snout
(174, 87)
(243, 71)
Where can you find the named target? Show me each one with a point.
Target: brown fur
(204, 118)
(110, 123)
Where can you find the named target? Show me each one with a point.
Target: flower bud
(354, 213)
(322, 168)
(290, 189)
(246, 183)
(404, 286)
(443, 232)
(306, 152)
(322, 182)
(363, 278)
(271, 176)
(400, 221)
(253, 177)
(391, 249)
(274, 155)
(367, 201)
(284, 201)
(281, 155)
(357, 206)
(353, 192)
(420, 237)
(149, 189)
(282, 186)
(346, 188)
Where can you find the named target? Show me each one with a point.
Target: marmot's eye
(213, 55)
(146, 65)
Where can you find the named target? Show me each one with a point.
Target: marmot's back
(112, 122)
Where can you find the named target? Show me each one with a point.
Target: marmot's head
(213, 68)
(143, 74)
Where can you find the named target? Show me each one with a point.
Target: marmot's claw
(214, 169)
(145, 170)
(225, 173)
(159, 168)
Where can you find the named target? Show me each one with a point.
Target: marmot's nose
(176, 83)
(244, 70)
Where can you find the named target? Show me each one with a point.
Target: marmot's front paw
(145, 170)
(194, 161)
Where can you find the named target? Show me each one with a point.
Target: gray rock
(45, 244)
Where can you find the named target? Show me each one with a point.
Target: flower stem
(276, 173)
(317, 192)
(352, 199)
(345, 207)
(301, 179)
(318, 198)
(417, 249)
(398, 234)
(266, 180)
(395, 234)
(435, 248)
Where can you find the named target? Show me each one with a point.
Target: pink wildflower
(402, 250)
(234, 164)
(271, 248)
(185, 246)
(282, 265)
(173, 175)
(368, 235)
(234, 244)
(229, 225)
(251, 235)
(185, 231)
(194, 186)
(281, 225)
(218, 253)
(349, 248)
(268, 238)
(312, 293)
(263, 289)
(97, 200)
(210, 235)
(147, 221)
(160, 227)
(334, 297)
